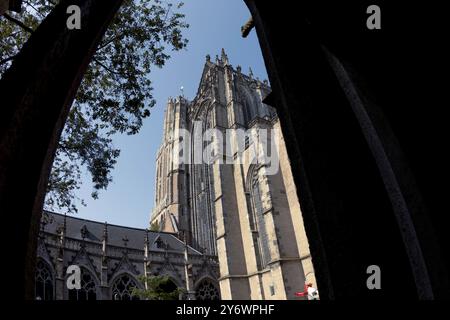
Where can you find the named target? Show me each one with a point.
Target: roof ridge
(109, 224)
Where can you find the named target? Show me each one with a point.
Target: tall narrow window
(248, 114)
(254, 230)
(262, 237)
(44, 288)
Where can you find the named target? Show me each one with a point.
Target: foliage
(115, 95)
(158, 288)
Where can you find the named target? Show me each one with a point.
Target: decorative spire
(208, 58)
(104, 241)
(105, 231)
(146, 237)
(44, 221)
(187, 270)
(125, 244)
(224, 57)
(125, 241)
(250, 73)
(62, 234)
(84, 232)
(146, 257)
(146, 243)
(65, 223)
(186, 250)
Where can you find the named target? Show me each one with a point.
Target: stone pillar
(104, 287)
(146, 260)
(60, 284)
(188, 276)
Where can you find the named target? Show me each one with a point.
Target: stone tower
(244, 211)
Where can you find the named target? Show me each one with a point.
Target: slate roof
(116, 234)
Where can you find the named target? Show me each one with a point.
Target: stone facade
(235, 210)
(112, 258)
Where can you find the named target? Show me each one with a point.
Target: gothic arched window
(88, 289)
(249, 106)
(248, 114)
(206, 290)
(123, 287)
(260, 235)
(44, 281)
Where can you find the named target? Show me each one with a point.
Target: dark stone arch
(171, 285)
(37, 92)
(364, 136)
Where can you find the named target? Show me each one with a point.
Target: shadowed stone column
(360, 114)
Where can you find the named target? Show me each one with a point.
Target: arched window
(88, 289)
(123, 287)
(260, 235)
(206, 290)
(248, 112)
(44, 281)
(249, 106)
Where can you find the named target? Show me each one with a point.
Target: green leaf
(115, 94)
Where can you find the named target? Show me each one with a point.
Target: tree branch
(108, 42)
(18, 22)
(7, 59)
(107, 68)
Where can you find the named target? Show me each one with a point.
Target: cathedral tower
(244, 212)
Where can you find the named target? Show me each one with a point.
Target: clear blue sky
(214, 24)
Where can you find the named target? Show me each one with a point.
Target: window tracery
(44, 288)
(122, 288)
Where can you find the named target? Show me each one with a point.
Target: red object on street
(305, 291)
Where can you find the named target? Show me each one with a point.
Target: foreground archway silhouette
(361, 116)
(36, 94)
(364, 175)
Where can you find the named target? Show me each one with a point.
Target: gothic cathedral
(248, 217)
